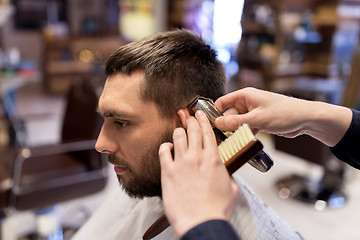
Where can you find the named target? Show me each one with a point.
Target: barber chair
(324, 192)
(33, 178)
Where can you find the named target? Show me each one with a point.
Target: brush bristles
(234, 143)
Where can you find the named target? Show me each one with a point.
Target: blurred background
(52, 54)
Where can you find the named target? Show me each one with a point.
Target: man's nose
(105, 142)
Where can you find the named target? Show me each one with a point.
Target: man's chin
(140, 191)
(139, 194)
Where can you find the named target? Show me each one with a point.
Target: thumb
(230, 122)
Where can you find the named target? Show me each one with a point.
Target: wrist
(326, 122)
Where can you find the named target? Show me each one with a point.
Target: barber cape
(121, 217)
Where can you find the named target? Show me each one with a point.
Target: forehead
(123, 86)
(121, 96)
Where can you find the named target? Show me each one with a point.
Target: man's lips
(120, 170)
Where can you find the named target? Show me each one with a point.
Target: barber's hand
(196, 185)
(263, 111)
(282, 115)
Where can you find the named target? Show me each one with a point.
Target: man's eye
(121, 124)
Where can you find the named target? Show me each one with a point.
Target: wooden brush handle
(243, 156)
(233, 164)
(156, 228)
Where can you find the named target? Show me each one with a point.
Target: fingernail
(200, 114)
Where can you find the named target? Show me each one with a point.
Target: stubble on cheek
(144, 180)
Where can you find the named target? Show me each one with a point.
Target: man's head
(148, 81)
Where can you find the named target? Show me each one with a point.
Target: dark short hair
(178, 65)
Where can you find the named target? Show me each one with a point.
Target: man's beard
(146, 180)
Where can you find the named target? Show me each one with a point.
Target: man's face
(131, 134)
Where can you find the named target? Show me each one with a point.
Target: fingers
(202, 121)
(183, 114)
(230, 122)
(243, 99)
(188, 144)
(165, 155)
(208, 136)
(233, 122)
(180, 141)
(194, 134)
(230, 100)
(232, 111)
(200, 135)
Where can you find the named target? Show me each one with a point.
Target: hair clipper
(261, 161)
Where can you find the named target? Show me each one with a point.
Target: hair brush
(236, 149)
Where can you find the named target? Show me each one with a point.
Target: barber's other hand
(196, 185)
(263, 111)
(282, 115)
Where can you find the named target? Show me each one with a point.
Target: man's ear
(177, 122)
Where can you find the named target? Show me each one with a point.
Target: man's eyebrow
(113, 113)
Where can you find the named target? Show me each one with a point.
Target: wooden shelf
(64, 61)
(68, 67)
(302, 69)
(254, 28)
